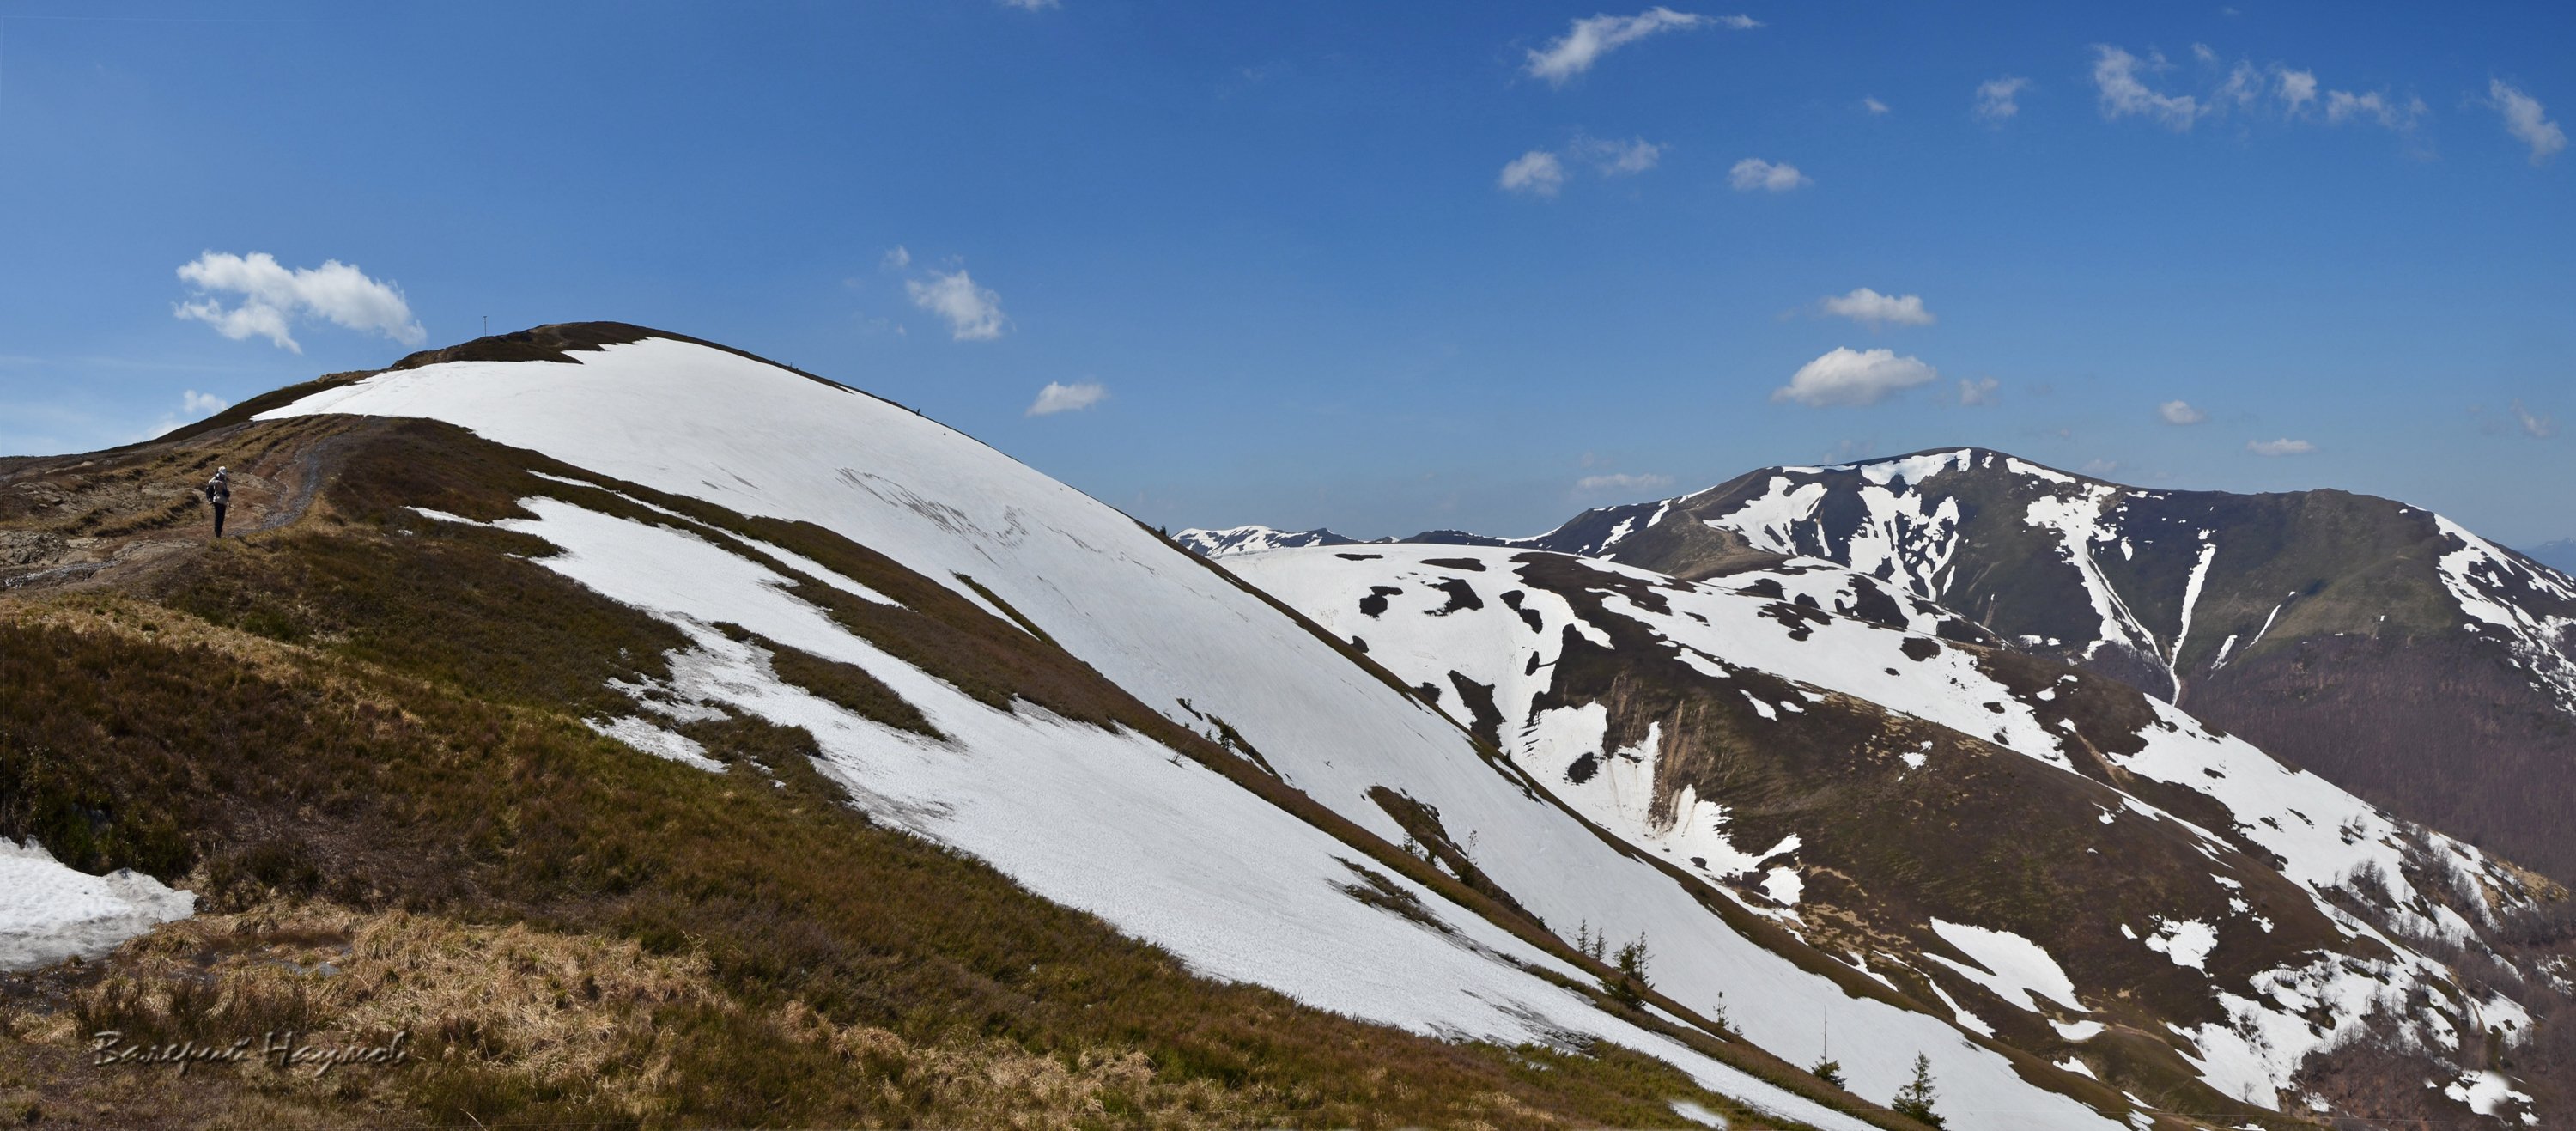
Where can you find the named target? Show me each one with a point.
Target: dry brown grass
(572, 1015)
(603, 1030)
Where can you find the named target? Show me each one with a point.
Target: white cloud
(2296, 88)
(1541, 172)
(1622, 482)
(897, 259)
(1031, 5)
(1977, 392)
(974, 313)
(274, 298)
(1854, 377)
(2536, 427)
(2280, 447)
(2345, 106)
(1996, 97)
(1595, 36)
(1755, 173)
(193, 405)
(1537, 172)
(2523, 118)
(1874, 310)
(1619, 158)
(2244, 86)
(1874, 106)
(2115, 74)
(1058, 397)
(2180, 412)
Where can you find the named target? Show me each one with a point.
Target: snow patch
(656, 741)
(2015, 968)
(50, 912)
(2187, 941)
(2486, 1092)
(1783, 885)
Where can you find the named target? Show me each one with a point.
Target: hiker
(219, 491)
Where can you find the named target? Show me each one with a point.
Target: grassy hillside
(357, 735)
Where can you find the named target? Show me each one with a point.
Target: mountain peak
(2230, 603)
(558, 341)
(1919, 465)
(552, 342)
(1255, 539)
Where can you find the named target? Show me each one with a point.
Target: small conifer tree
(1593, 946)
(1630, 987)
(1829, 1071)
(1914, 1100)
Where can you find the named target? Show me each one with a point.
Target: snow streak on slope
(1419, 624)
(2077, 523)
(1162, 850)
(2190, 599)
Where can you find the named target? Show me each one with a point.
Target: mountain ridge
(2559, 555)
(695, 573)
(2293, 617)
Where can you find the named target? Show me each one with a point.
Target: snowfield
(1111, 823)
(1406, 603)
(1105, 821)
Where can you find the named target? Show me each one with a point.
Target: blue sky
(1271, 260)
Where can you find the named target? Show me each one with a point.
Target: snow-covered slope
(1817, 766)
(1254, 539)
(2341, 632)
(1104, 820)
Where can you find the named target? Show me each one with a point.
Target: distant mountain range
(2559, 555)
(2378, 644)
(1255, 539)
